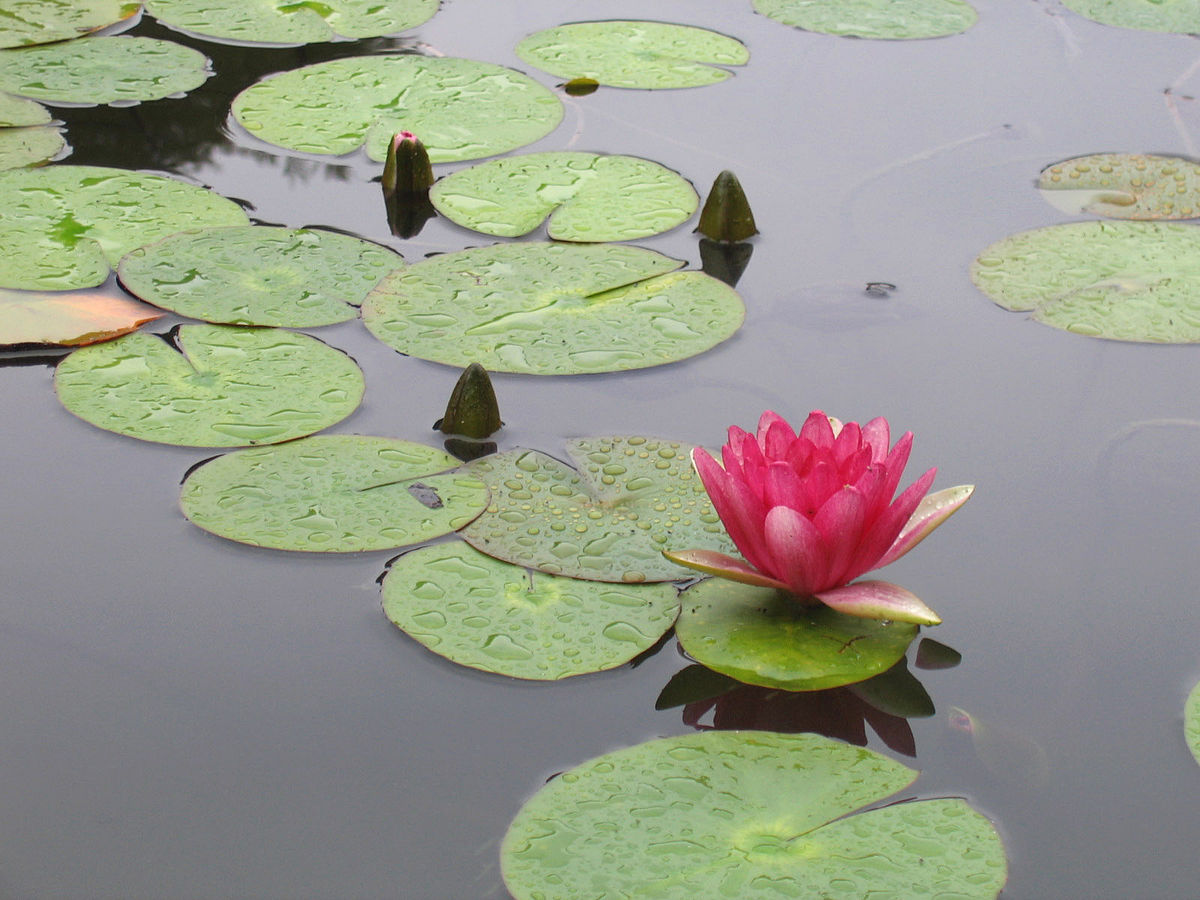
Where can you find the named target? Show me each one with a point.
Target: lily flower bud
(407, 169)
(726, 215)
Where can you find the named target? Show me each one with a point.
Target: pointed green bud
(472, 410)
(407, 169)
(726, 215)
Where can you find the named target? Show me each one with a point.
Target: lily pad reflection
(749, 814)
(486, 614)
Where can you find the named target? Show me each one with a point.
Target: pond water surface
(189, 718)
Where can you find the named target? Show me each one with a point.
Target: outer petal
(929, 514)
(712, 563)
(879, 600)
(797, 551)
(741, 510)
(885, 529)
(877, 435)
(774, 435)
(841, 522)
(817, 428)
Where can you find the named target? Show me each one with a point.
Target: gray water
(189, 718)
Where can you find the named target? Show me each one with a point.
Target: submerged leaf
(62, 227)
(755, 815)
(29, 22)
(769, 638)
(633, 54)
(588, 197)
(552, 309)
(103, 70)
(608, 521)
(332, 494)
(257, 275)
(279, 22)
(222, 387)
(462, 109)
(1124, 186)
(1126, 281)
(68, 320)
(480, 612)
(886, 19)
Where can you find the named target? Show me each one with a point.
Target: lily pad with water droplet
(17, 112)
(1191, 722)
(480, 612)
(1124, 186)
(43, 21)
(587, 196)
(884, 19)
(632, 54)
(1178, 16)
(552, 309)
(218, 386)
(460, 108)
(103, 70)
(64, 227)
(768, 638)
(333, 494)
(607, 520)
(1125, 281)
(287, 22)
(256, 275)
(68, 320)
(755, 815)
(29, 146)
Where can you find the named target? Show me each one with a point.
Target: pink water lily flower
(812, 512)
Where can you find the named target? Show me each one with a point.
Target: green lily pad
(64, 227)
(29, 146)
(588, 196)
(103, 70)
(43, 21)
(884, 19)
(291, 22)
(609, 520)
(1191, 722)
(20, 111)
(755, 815)
(634, 54)
(217, 387)
(68, 320)
(1124, 186)
(332, 493)
(490, 615)
(255, 275)
(766, 637)
(1125, 281)
(552, 309)
(460, 108)
(1179, 16)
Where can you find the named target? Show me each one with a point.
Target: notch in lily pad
(472, 411)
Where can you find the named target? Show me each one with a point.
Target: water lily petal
(877, 435)
(840, 522)
(879, 600)
(929, 514)
(712, 563)
(797, 551)
(784, 487)
(774, 435)
(894, 465)
(887, 527)
(846, 444)
(816, 428)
